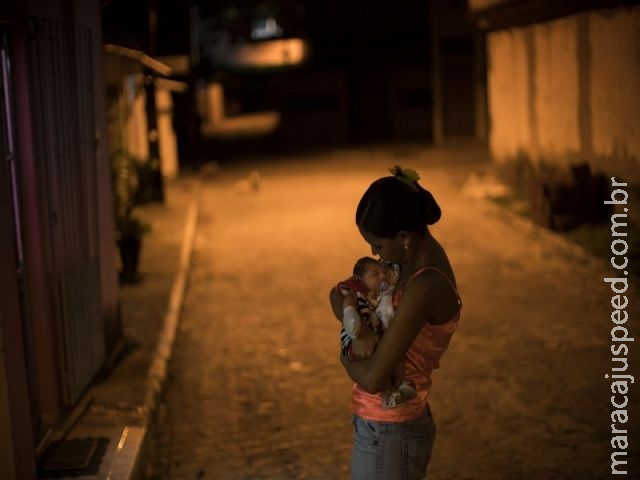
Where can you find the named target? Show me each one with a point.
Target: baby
(368, 298)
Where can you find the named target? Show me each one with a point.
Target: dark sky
(340, 30)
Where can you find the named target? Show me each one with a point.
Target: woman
(393, 217)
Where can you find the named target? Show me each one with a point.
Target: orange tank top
(422, 358)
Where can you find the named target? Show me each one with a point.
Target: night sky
(341, 32)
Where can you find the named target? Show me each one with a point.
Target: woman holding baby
(393, 217)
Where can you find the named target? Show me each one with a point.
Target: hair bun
(410, 177)
(431, 207)
(396, 203)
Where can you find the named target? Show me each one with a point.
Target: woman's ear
(403, 237)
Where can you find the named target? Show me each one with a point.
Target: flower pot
(130, 257)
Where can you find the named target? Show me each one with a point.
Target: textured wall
(507, 82)
(567, 90)
(615, 84)
(555, 84)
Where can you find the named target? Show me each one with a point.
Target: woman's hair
(396, 203)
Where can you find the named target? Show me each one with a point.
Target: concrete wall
(509, 80)
(554, 90)
(615, 87)
(567, 90)
(167, 142)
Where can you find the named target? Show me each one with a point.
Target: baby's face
(374, 275)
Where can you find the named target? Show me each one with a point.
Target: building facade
(562, 84)
(59, 321)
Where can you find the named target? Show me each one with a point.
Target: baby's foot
(394, 398)
(408, 389)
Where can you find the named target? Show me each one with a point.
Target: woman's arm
(336, 299)
(429, 298)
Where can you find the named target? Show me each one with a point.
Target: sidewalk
(119, 410)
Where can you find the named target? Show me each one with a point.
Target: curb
(157, 372)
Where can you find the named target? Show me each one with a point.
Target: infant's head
(374, 274)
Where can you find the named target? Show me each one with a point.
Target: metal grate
(62, 60)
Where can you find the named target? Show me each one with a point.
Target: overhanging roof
(502, 14)
(139, 56)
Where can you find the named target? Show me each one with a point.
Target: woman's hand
(363, 346)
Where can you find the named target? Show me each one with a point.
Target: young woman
(393, 217)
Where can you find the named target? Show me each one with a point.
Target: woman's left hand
(365, 344)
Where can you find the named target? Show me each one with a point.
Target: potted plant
(129, 228)
(129, 232)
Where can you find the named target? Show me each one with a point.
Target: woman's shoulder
(433, 276)
(437, 288)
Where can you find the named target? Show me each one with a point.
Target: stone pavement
(254, 389)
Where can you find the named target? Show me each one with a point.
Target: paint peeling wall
(567, 90)
(555, 92)
(508, 81)
(615, 86)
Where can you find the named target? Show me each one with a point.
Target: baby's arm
(351, 320)
(363, 345)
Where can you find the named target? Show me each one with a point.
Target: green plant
(124, 171)
(596, 238)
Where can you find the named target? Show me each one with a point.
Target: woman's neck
(423, 252)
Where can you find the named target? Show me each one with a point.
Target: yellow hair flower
(411, 175)
(408, 176)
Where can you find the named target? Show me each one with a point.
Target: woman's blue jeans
(392, 451)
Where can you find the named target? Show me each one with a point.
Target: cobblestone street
(255, 389)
